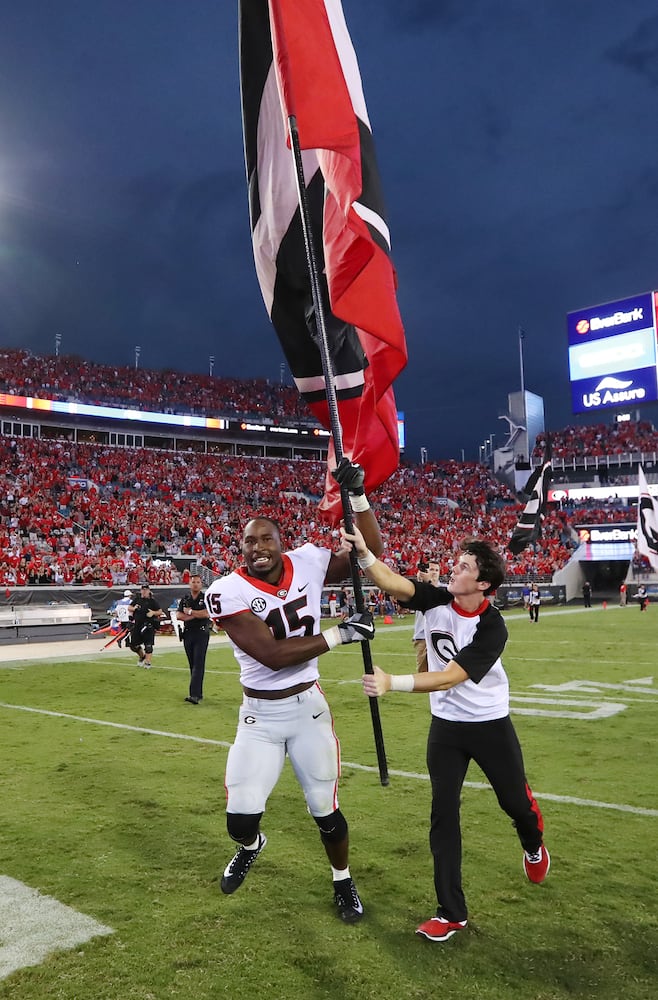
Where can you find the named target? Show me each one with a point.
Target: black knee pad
(333, 828)
(243, 827)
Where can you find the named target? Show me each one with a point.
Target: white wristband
(332, 637)
(367, 560)
(402, 682)
(359, 503)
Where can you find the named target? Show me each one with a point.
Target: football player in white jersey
(469, 702)
(270, 610)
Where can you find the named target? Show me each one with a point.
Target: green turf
(128, 827)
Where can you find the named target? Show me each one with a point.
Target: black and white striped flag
(528, 527)
(647, 521)
(296, 58)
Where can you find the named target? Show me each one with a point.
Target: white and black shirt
(475, 641)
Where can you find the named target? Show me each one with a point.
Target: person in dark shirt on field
(196, 635)
(146, 614)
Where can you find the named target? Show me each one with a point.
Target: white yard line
(480, 786)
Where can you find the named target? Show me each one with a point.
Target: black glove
(358, 628)
(350, 475)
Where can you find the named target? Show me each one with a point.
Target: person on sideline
(534, 603)
(469, 701)
(146, 614)
(196, 635)
(270, 609)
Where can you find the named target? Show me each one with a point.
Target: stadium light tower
(138, 351)
(58, 341)
(282, 370)
(211, 364)
(423, 456)
(521, 339)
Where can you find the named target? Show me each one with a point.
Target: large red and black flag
(647, 521)
(296, 58)
(528, 527)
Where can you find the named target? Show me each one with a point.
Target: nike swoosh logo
(299, 589)
(318, 715)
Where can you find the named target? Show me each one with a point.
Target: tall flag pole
(528, 527)
(647, 521)
(321, 243)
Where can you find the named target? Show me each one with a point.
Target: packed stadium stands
(84, 513)
(80, 513)
(600, 440)
(73, 379)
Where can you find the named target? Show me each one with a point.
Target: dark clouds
(517, 149)
(639, 52)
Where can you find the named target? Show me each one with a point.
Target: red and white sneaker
(536, 866)
(440, 929)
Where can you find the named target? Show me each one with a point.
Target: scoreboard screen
(612, 354)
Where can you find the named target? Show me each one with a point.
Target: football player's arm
(399, 587)
(254, 637)
(339, 564)
(379, 682)
(350, 476)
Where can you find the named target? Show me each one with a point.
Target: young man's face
(261, 549)
(463, 580)
(195, 585)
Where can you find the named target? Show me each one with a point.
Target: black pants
(195, 642)
(143, 635)
(495, 747)
(534, 612)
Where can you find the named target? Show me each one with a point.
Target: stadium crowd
(87, 513)
(72, 379)
(599, 440)
(92, 514)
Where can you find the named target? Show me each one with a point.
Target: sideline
(25, 651)
(477, 785)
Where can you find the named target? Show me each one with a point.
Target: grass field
(113, 803)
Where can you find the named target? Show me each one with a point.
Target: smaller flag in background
(647, 521)
(528, 527)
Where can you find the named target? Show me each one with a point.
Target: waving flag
(528, 527)
(647, 521)
(296, 58)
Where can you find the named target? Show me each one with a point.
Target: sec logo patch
(258, 605)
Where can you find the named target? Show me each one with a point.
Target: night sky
(517, 144)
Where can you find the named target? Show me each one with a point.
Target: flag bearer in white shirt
(469, 700)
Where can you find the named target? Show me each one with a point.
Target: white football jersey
(290, 607)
